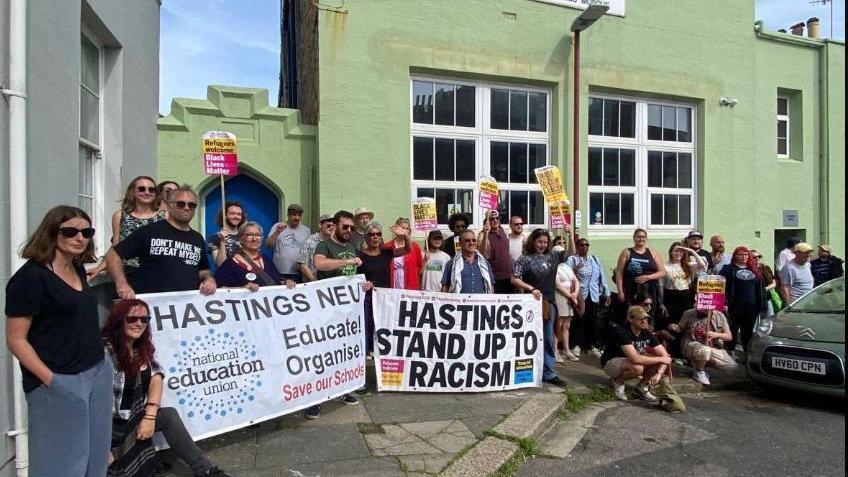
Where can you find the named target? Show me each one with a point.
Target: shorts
(615, 366)
(693, 351)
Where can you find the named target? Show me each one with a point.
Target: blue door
(260, 204)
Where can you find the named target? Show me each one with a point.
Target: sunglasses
(71, 232)
(582, 244)
(517, 223)
(254, 235)
(149, 190)
(493, 219)
(758, 256)
(470, 240)
(181, 204)
(375, 234)
(345, 227)
(145, 319)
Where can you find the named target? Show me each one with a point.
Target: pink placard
(709, 301)
(220, 164)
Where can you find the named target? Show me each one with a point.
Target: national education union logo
(215, 374)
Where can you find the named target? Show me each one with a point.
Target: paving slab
(564, 435)
(367, 467)
(396, 407)
(307, 445)
(332, 413)
(480, 424)
(430, 464)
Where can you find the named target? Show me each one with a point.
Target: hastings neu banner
(236, 357)
(440, 342)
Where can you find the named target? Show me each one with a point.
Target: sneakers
(215, 472)
(576, 351)
(349, 400)
(558, 357)
(362, 391)
(571, 356)
(701, 377)
(618, 390)
(595, 352)
(643, 393)
(556, 381)
(313, 412)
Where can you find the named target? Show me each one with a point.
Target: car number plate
(800, 365)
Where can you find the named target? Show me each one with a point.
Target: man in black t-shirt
(172, 256)
(634, 351)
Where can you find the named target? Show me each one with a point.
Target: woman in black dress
(639, 269)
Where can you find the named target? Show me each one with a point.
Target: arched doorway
(261, 204)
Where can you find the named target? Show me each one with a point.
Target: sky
(237, 42)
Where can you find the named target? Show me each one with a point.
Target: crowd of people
(81, 380)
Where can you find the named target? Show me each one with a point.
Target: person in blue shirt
(468, 271)
(594, 291)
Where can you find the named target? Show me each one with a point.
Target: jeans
(548, 370)
(168, 422)
(70, 424)
(742, 319)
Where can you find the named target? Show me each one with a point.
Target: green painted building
(691, 117)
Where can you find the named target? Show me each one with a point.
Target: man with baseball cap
(695, 240)
(304, 259)
(796, 278)
(827, 266)
(361, 216)
(286, 239)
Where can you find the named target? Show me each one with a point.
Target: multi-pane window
(782, 126)
(89, 189)
(462, 130)
(641, 164)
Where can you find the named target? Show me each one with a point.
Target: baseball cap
(802, 247)
(694, 233)
(826, 248)
(324, 218)
(637, 312)
(295, 208)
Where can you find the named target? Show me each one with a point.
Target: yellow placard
(711, 284)
(550, 180)
(424, 214)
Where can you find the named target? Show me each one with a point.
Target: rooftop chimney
(797, 29)
(782, 30)
(813, 27)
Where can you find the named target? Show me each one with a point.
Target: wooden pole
(223, 204)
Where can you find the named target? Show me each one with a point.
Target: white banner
(235, 358)
(442, 342)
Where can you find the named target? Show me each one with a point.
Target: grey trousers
(70, 424)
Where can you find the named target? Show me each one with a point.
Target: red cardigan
(413, 263)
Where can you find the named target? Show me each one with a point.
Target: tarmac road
(730, 434)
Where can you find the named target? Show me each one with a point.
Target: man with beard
(336, 257)
(229, 236)
(286, 239)
(720, 259)
(171, 255)
(695, 240)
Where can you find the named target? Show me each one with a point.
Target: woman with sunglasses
(406, 268)
(248, 267)
(677, 287)
(769, 281)
(377, 266)
(140, 206)
(639, 269)
(137, 395)
(535, 272)
(52, 328)
(744, 295)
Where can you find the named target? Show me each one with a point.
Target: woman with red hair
(137, 391)
(744, 295)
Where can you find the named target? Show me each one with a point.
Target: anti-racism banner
(488, 193)
(550, 180)
(220, 156)
(236, 357)
(559, 214)
(442, 342)
(424, 214)
(710, 293)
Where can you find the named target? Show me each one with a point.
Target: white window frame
(98, 205)
(783, 118)
(482, 134)
(642, 192)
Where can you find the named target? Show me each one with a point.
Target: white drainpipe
(16, 94)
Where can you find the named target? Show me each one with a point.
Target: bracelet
(152, 404)
(148, 418)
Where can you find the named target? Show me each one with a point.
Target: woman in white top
(567, 294)
(677, 287)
